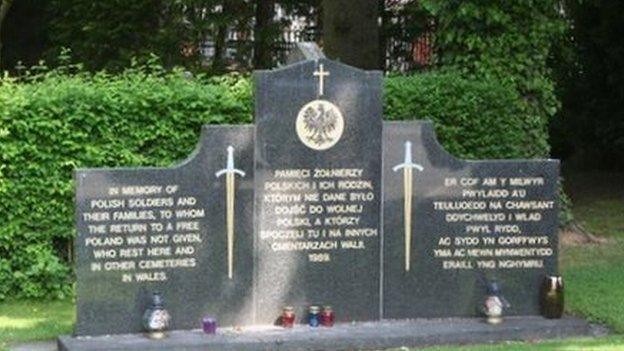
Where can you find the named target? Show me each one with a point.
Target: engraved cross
(321, 74)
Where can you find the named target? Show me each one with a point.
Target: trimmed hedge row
(52, 123)
(474, 119)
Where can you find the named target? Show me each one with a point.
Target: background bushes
(54, 122)
(474, 119)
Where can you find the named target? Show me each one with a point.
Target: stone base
(361, 336)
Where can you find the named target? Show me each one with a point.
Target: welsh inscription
(471, 222)
(491, 216)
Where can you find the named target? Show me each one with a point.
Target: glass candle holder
(327, 316)
(313, 316)
(288, 317)
(209, 325)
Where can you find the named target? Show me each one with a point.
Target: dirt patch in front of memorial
(575, 234)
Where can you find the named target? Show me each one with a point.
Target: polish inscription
(317, 190)
(142, 232)
(495, 217)
(318, 211)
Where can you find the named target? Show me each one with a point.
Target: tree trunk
(220, 40)
(263, 39)
(218, 60)
(5, 5)
(383, 22)
(351, 32)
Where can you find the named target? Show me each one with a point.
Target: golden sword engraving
(407, 166)
(230, 172)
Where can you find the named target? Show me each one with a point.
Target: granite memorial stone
(319, 203)
(164, 230)
(318, 195)
(470, 222)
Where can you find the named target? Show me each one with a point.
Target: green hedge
(54, 122)
(474, 119)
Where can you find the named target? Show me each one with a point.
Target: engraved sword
(230, 172)
(407, 166)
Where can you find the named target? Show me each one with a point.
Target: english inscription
(146, 230)
(143, 231)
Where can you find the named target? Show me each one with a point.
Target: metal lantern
(156, 319)
(494, 304)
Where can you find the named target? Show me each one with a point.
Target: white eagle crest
(319, 123)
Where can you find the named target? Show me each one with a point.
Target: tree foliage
(590, 73)
(5, 5)
(509, 40)
(351, 32)
(109, 34)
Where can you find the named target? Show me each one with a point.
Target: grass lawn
(594, 278)
(598, 202)
(35, 320)
(610, 343)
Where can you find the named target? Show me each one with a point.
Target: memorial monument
(319, 203)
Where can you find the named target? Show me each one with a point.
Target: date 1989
(319, 257)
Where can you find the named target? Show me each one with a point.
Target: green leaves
(57, 122)
(475, 118)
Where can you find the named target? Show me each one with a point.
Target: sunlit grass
(611, 343)
(602, 217)
(594, 277)
(35, 320)
(598, 199)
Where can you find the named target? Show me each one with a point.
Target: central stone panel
(317, 198)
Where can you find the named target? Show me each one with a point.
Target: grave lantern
(156, 318)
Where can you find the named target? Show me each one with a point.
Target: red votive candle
(327, 316)
(288, 317)
(209, 324)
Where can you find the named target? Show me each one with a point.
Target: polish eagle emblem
(320, 124)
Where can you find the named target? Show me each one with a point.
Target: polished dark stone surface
(106, 305)
(359, 336)
(362, 275)
(428, 290)
(349, 281)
